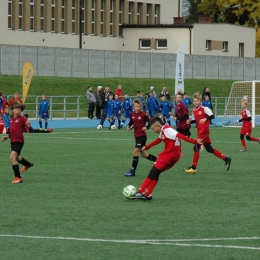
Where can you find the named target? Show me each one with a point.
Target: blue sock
(40, 124)
(169, 122)
(123, 122)
(46, 125)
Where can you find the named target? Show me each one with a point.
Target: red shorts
(163, 163)
(246, 131)
(204, 135)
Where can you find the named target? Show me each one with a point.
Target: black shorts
(140, 141)
(17, 147)
(185, 131)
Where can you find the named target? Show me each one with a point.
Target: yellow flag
(28, 71)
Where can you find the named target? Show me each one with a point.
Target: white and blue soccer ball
(99, 127)
(113, 127)
(129, 190)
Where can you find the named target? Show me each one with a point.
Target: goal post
(249, 90)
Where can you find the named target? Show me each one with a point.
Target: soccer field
(70, 205)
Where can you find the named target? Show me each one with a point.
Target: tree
(194, 14)
(240, 12)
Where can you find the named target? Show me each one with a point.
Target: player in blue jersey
(117, 110)
(127, 108)
(152, 104)
(140, 96)
(186, 101)
(6, 119)
(44, 111)
(165, 108)
(110, 108)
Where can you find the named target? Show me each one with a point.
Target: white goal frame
(233, 105)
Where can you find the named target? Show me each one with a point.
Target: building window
(157, 13)
(63, 16)
(53, 16)
(83, 17)
(9, 14)
(20, 14)
(130, 12)
(93, 17)
(32, 15)
(225, 46)
(139, 6)
(42, 16)
(102, 17)
(120, 19)
(208, 45)
(111, 16)
(73, 16)
(241, 49)
(148, 13)
(145, 44)
(161, 44)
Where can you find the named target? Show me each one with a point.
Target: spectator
(98, 95)
(148, 92)
(119, 92)
(91, 102)
(165, 93)
(16, 98)
(207, 92)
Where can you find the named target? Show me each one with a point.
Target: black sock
(135, 162)
(151, 158)
(24, 162)
(16, 171)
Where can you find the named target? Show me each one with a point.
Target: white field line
(151, 242)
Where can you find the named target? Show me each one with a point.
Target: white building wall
(233, 34)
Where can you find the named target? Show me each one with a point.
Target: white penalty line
(152, 242)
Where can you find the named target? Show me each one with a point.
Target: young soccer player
(152, 104)
(140, 95)
(186, 100)
(44, 111)
(16, 98)
(166, 159)
(181, 116)
(202, 116)
(17, 127)
(110, 107)
(117, 110)
(165, 107)
(138, 119)
(3, 103)
(29, 128)
(6, 120)
(246, 126)
(127, 108)
(1, 124)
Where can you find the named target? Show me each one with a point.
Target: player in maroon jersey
(202, 116)
(182, 115)
(138, 119)
(246, 126)
(166, 159)
(17, 127)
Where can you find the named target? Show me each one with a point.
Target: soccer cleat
(190, 170)
(150, 197)
(17, 180)
(243, 150)
(131, 173)
(138, 195)
(228, 162)
(259, 140)
(25, 168)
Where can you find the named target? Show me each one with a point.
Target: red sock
(254, 139)
(196, 157)
(243, 142)
(219, 154)
(144, 185)
(151, 187)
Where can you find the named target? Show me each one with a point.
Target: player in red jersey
(246, 126)
(202, 116)
(16, 98)
(166, 159)
(17, 127)
(182, 115)
(138, 120)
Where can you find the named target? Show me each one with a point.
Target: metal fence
(68, 107)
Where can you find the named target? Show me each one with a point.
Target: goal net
(249, 90)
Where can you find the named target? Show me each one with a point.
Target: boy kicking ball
(18, 125)
(166, 159)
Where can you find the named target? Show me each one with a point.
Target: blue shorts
(166, 115)
(110, 114)
(44, 116)
(127, 113)
(118, 115)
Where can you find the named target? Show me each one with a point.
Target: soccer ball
(129, 190)
(113, 127)
(99, 127)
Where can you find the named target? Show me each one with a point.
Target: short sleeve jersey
(182, 110)
(44, 106)
(17, 127)
(139, 120)
(172, 144)
(245, 113)
(200, 113)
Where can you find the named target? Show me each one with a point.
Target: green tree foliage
(240, 12)
(194, 13)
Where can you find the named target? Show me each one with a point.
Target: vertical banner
(28, 71)
(179, 79)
